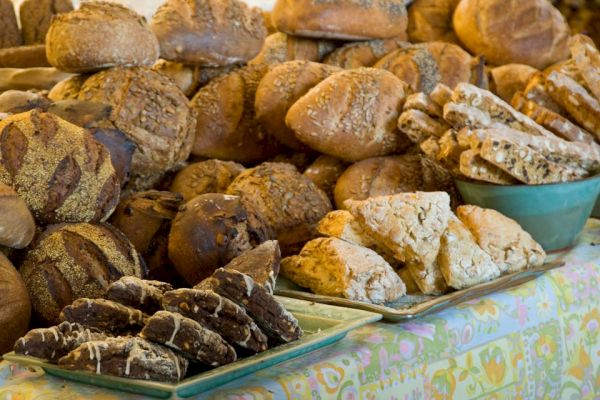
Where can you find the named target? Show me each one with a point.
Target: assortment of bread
(213, 150)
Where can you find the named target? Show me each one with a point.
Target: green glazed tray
(410, 307)
(322, 324)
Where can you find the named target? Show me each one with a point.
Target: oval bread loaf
(17, 226)
(15, 310)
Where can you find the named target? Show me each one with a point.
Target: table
(539, 340)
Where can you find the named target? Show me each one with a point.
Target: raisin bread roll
(431, 21)
(226, 125)
(345, 20)
(100, 35)
(10, 36)
(504, 32)
(72, 261)
(211, 176)
(77, 182)
(290, 203)
(152, 112)
(363, 54)
(208, 32)
(425, 65)
(279, 89)
(17, 226)
(36, 17)
(280, 47)
(15, 310)
(351, 115)
(208, 232)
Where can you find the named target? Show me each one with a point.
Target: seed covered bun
(208, 32)
(513, 31)
(100, 35)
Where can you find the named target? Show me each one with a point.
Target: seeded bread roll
(425, 65)
(509, 79)
(363, 54)
(211, 176)
(10, 36)
(345, 20)
(100, 35)
(77, 181)
(279, 89)
(15, 310)
(351, 115)
(208, 32)
(36, 17)
(512, 31)
(226, 125)
(72, 261)
(152, 112)
(17, 226)
(33, 56)
(431, 20)
(208, 232)
(291, 204)
(280, 47)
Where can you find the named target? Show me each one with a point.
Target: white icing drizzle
(128, 364)
(142, 293)
(53, 353)
(245, 342)
(177, 325)
(176, 361)
(43, 337)
(249, 285)
(89, 303)
(196, 308)
(55, 332)
(98, 357)
(218, 308)
(89, 346)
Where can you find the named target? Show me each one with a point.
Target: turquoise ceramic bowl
(553, 214)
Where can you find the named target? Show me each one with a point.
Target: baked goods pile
(146, 330)
(195, 150)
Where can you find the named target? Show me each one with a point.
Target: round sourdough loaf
(226, 127)
(513, 31)
(280, 47)
(210, 176)
(208, 32)
(71, 261)
(61, 172)
(431, 20)
(154, 114)
(36, 17)
(425, 65)
(100, 35)
(15, 310)
(341, 19)
(351, 115)
(17, 226)
(279, 89)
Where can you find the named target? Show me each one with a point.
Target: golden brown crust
(187, 78)
(513, 31)
(280, 47)
(431, 20)
(33, 56)
(509, 79)
(363, 54)
(10, 36)
(36, 17)
(17, 227)
(325, 172)
(67, 89)
(208, 32)
(15, 310)
(211, 176)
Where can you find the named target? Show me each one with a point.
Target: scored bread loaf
(512, 31)
(363, 54)
(100, 35)
(17, 226)
(280, 47)
(431, 20)
(71, 261)
(279, 89)
(36, 17)
(208, 32)
(61, 172)
(15, 310)
(345, 20)
(10, 36)
(351, 114)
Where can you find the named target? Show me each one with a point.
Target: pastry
(441, 94)
(537, 91)
(424, 103)
(290, 203)
(260, 263)
(77, 182)
(127, 357)
(363, 54)
(431, 20)
(100, 35)
(208, 32)
(410, 225)
(10, 35)
(219, 314)
(140, 294)
(71, 261)
(280, 47)
(351, 115)
(210, 176)
(587, 61)
(342, 225)
(511, 248)
(17, 226)
(104, 315)
(418, 126)
(189, 338)
(208, 232)
(474, 167)
(36, 17)
(57, 341)
(15, 310)
(334, 267)
(462, 262)
(325, 172)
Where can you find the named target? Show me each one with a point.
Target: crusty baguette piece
(411, 225)
(462, 262)
(334, 267)
(511, 248)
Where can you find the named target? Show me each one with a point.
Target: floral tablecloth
(538, 341)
